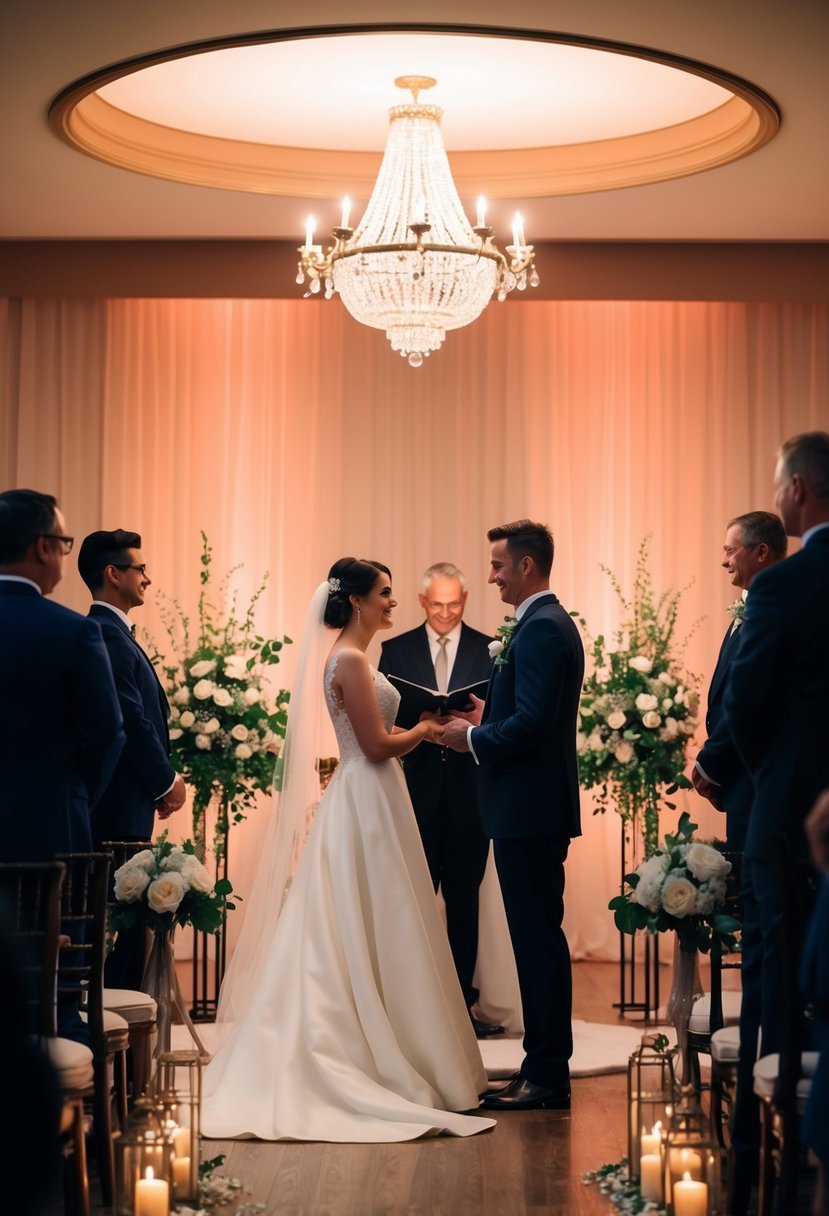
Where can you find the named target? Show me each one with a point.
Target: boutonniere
(499, 647)
(737, 610)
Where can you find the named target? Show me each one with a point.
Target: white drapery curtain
(293, 436)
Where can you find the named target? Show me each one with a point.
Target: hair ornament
(333, 585)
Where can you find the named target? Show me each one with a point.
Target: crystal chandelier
(414, 266)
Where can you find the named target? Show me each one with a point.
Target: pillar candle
(152, 1196)
(685, 1163)
(649, 1141)
(650, 1183)
(690, 1197)
(181, 1177)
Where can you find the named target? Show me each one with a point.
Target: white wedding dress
(357, 1031)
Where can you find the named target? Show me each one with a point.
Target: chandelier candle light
(414, 266)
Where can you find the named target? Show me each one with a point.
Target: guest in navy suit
(60, 722)
(443, 784)
(525, 745)
(816, 990)
(113, 568)
(753, 542)
(777, 710)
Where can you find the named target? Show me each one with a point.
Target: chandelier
(414, 266)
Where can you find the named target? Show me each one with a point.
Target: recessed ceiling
(307, 117)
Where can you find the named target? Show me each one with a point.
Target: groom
(525, 745)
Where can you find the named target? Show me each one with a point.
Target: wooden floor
(530, 1163)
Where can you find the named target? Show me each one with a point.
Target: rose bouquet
(638, 709)
(224, 737)
(682, 886)
(167, 885)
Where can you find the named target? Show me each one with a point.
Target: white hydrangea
(236, 667)
(646, 701)
(595, 741)
(251, 695)
(651, 876)
(641, 662)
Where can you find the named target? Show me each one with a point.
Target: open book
(415, 699)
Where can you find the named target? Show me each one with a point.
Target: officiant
(445, 654)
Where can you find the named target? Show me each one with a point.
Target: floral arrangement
(503, 636)
(167, 885)
(638, 708)
(680, 887)
(737, 610)
(224, 737)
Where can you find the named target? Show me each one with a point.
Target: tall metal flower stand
(208, 972)
(638, 976)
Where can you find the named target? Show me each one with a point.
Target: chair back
(30, 898)
(84, 921)
(122, 850)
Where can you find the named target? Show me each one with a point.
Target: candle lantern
(178, 1086)
(691, 1160)
(143, 1153)
(651, 1092)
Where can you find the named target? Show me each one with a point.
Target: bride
(345, 1020)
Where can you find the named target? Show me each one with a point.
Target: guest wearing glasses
(61, 729)
(144, 782)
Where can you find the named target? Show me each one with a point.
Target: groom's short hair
(527, 539)
(102, 549)
(808, 456)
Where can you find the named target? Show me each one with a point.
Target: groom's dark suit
(526, 748)
(719, 759)
(60, 725)
(444, 790)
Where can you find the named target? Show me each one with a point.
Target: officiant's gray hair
(762, 528)
(443, 570)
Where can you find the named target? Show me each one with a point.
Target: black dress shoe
(522, 1094)
(485, 1030)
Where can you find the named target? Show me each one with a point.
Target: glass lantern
(143, 1162)
(692, 1161)
(651, 1092)
(179, 1099)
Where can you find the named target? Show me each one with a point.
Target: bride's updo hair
(349, 576)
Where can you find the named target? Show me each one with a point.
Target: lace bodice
(388, 699)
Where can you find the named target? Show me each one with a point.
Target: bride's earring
(359, 614)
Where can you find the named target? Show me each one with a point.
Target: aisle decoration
(680, 887)
(638, 709)
(224, 735)
(162, 887)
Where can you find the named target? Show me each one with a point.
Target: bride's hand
(432, 731)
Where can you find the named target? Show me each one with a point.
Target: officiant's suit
(777, 711)
(719, 758)
(60, 724)
(529, 790)
(443, 786)
(126, 810)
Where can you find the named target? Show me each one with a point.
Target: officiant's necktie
(442, 665)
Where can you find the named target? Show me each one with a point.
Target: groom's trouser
(531, 873)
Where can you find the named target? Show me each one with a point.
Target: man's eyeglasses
(67, 541)
(142, 569)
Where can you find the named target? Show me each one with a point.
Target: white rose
(240, 732)
(595, 741)
(174, 714)
(651, 719)
(236, 667)
(679, 695)
(195, 875)
(203, 690)
(616, 720)
(187, 719)
(202, 668)
(641, 662)
(250, 696)
(243, 752)
(581, 742)
(222, 697)
(130, 883)
(175, 859)
(679, 896)
(671, 729)
(211, 726)
(646, 701)
(704, 862)
(182, 695)
(665, 677)
(145, 859)
(203, 742)
(175, 733)
(667, 702)
(623, 752)
(166, 893)
(495, 648)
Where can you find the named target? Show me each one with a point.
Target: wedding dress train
(357, 1030)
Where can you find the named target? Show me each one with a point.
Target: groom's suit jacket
(409, 657)
(526, 743)
(60, 725)
(777, 699)
(719, 758)
(144, 772)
